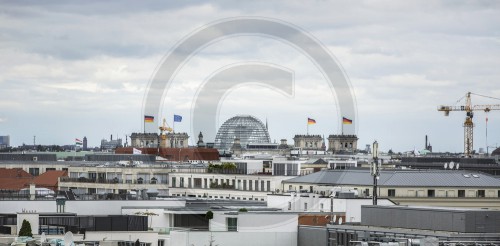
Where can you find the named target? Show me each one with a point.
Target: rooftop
(401, 178)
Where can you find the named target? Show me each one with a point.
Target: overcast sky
(81, 68)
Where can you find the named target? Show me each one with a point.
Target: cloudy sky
(81, 68)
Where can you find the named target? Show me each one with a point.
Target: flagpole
(307, 126)
(144, 124)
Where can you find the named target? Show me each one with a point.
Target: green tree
(209, 215)
(242, 210)
(25, 229)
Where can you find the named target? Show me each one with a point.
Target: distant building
(111, 144)
(246, 128)
(342, 143)
(85, 147)
(4, 142)
(308, 142)
(150, 140)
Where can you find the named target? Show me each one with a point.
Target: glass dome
(245, 127)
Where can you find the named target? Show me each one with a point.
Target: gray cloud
(80, 68)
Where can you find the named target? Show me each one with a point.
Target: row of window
(209, 183)
(222, 197)
(460, 193)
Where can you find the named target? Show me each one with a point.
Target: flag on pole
(149, 119)
(311, 121)
(78, 141)
(136, 151)
(177, 118)
(346, 121)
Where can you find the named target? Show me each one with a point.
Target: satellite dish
(68, 239)
(340, 221)
(445, 165)
(458, 164)
(334, 218)
(452, 164)
(43, 238)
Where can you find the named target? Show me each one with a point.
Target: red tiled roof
(13, 173)
(14, 179)
(49, 179)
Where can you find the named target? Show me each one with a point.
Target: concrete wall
(183, 238)
(257, 222)
(30, 217)
(351, 207)
(311, 235)
(470, 221)
(103, 207)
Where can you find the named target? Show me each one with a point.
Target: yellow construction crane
(469, 109)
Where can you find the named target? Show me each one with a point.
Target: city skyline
(63, 78)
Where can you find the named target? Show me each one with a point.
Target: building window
(232, 224)
(321, 207)
(181, 182)
(305, 206)
(480, 193)
(289, 205)
(256, 185)
(173, 182)
(431, 193)
(498, 193)
(289, 187)
(140, 180)
(244, 185)
(391, 192)
(250, 185)
(367, 192)
(34, 171)
(268, 185)
(262, 185)
(461, 193)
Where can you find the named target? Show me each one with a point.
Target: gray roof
(402, 178)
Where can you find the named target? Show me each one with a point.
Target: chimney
(426, 142)
(111, 137)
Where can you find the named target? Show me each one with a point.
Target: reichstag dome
(245, 127)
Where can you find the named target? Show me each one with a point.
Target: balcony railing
(111, 181)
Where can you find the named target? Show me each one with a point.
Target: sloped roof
(49, 179)
(403, 178)
(14, 178)
(13, 173)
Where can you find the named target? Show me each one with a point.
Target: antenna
(452, 164)
(446, 165)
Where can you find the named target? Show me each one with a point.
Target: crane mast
(469, 115)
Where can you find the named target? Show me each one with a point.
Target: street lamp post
(375, 171)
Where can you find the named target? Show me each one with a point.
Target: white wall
(198, 238)
(257, 221)
(351, 207)
(143, 236)
(30, 217)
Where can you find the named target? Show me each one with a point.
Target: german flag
(346, 121)
(311, 121)
(149, 119)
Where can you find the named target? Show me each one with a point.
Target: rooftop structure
(246, 128)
